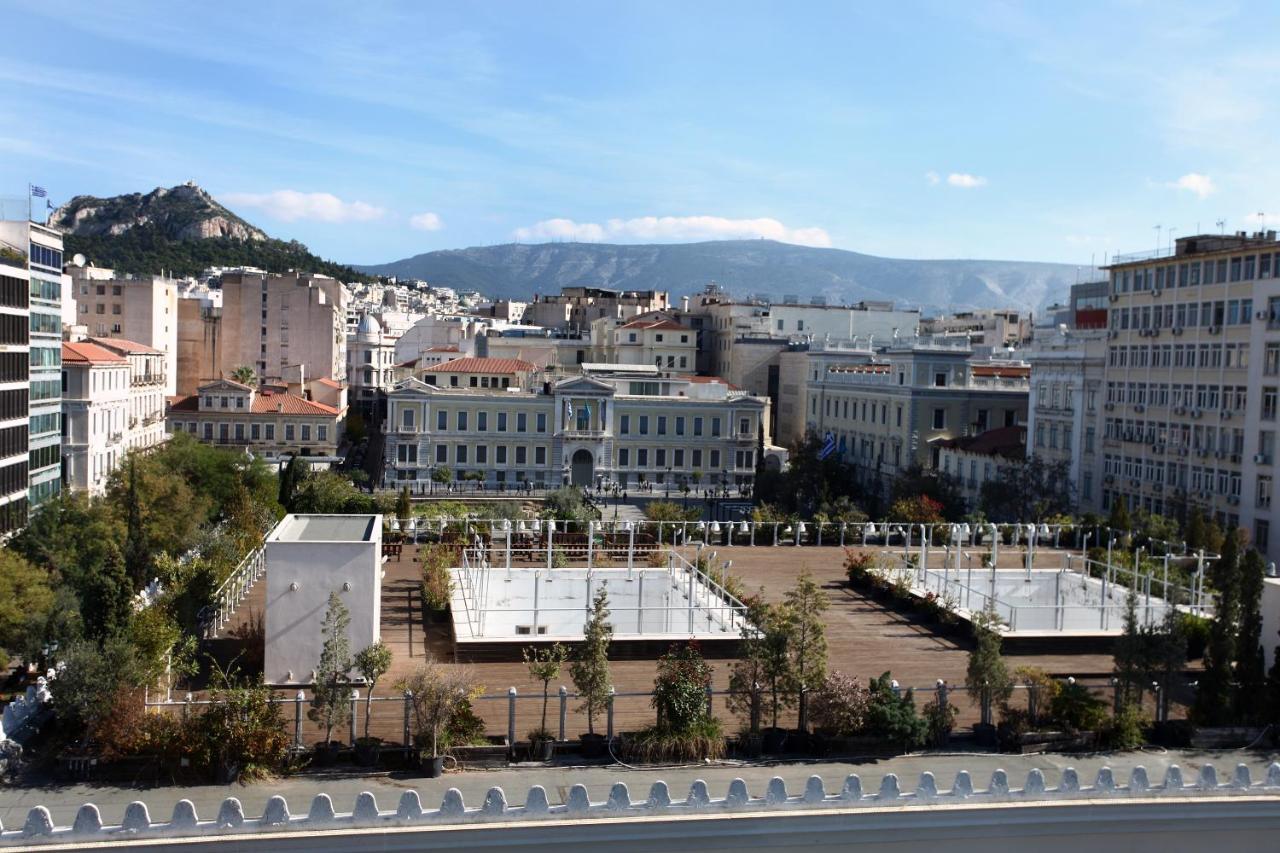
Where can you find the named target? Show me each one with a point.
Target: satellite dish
(77, 259)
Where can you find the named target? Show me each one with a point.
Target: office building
(15, 283)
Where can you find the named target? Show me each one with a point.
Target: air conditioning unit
(1177, 330)
(1213, 330)
(1261, 459)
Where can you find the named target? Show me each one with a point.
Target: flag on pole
(38, 192)
(828, 446)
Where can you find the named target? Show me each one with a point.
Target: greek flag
(828, 446)
(38, 192)
(568, 413)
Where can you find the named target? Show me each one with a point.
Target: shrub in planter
(1127, 730)
(839, 706)
(544, 665)
(372, 663)
(940, 720)
(1075, 709)
(859, 567)
(892, 716)
(437, 695)
(685, 730)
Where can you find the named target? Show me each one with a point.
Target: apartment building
(371, 361)
(268, 322)
(611, 424)
(95, 419)
(15, 283)
(43, 247)
(974, 460)
(655, 339)
(142, 309)
(890, 411)
(1065, 412)
(269, 421)
(578, 307)
(992, 327)
(1193, 380)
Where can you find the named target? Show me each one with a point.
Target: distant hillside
(743, 267)
(181, 230)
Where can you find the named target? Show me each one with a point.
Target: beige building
(136, 308)
(608, 425)
(889, 412)
(579, 307)
(268, 322)
(653, 338)
(269, 422)
(992, 327)
(1193, 380)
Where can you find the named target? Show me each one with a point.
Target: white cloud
(673, 228)
(291, 205)
(965, 181)
(426, 221)
(1194, 182)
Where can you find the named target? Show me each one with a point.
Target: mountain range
(184, 230)
(743, 267)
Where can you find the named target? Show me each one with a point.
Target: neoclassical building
(609, 424)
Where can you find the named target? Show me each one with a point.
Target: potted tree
(331, 695)
(372, 663)
(590, 670)
(437, 693)
(806, 642)
(544, 665)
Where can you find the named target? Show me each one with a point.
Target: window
(939, 418)
(406, 421)
(662, 424)
(255, 432)
(407, 453)
(624, 425)
(1269, 403)
(502, 421)
(744, 426)
(542, 422)
(462, 421)
(540, 455)
(940, 380)
(697, 426)
(679, 426)
(522, 422)
(306, 432)
(624, 457)
(660, 457)
(715, 459)
(322, 433)
(642, 458)
(482, 421)
(715, 428)
(288, 432)
(460, 454)
(442, 420)
(482, 454)
(697, 459)
(644, 424)
(442, 454)
(269, 432)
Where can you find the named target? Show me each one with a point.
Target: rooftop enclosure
(499, 608)
(307, 557)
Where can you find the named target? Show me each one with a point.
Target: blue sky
(372, 131)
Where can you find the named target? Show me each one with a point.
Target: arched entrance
(582, 471)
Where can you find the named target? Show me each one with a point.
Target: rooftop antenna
(1222, 224)
(1172, 229)
(1158, 229)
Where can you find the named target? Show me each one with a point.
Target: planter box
(488, 755)
(1033, 743)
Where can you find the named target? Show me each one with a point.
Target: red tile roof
(264, 403)
(1010, 441)
(84, 352)
(327, 381)
(484, 365)
(127, 346)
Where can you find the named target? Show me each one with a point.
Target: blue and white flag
(568, 413)
(38, 192)
(828, 446)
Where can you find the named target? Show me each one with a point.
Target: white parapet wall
(1106, 815)
(308, 557)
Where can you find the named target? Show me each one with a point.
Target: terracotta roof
(327, 381)
(484, 365)
(1001, 370)
(84, 352)
(264, 403)
(127, 346)
(1010, 441)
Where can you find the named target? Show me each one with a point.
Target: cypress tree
(1213, 705)
(1250, 667)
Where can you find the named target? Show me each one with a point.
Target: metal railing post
(564, 709)
(710, 697)
(355, 709)
(297, 718)
(408, 704)
(511, 718)
(609, 715)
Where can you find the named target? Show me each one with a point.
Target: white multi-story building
(654, 338)
(1193, 381)
(1065, 411)
(626, 425)
(95, 403)
(371, 360)
(143, 309)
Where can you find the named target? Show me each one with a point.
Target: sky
(373, 131)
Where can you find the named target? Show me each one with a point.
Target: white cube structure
(308, 557)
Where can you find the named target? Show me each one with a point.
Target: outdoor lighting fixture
(521, 527)
(442, 525)
(869, 530)
(395, 523)
(293, 587)
(537, 525)
(743, 528)
(346, 586)
(715, 527)
(1044, 529)
(413, 525)
(506, 526)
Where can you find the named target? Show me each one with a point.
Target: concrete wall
(294, 617)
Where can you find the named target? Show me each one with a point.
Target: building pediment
(584, 385)
(224, 386)
(412, 385)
